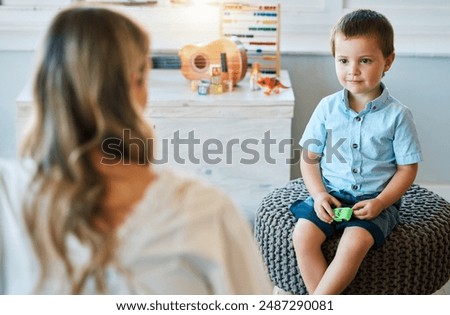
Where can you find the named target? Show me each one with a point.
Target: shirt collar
(372, 106)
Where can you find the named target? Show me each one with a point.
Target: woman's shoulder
(14, 178)
(177, 196)
(192, 196)
(184, 185)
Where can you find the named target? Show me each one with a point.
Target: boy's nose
(353, 70)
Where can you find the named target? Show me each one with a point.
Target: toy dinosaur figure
(271, 84)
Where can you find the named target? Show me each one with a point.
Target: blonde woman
(84, 210)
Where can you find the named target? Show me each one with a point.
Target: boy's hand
(324, 204)
(368, 209)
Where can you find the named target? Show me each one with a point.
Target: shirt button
(374, 108)
(355, 187)
(354, 170)
(354, 146)
(358, 118)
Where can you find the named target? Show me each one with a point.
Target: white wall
(422, 27)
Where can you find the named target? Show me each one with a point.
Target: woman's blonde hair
(83, 99)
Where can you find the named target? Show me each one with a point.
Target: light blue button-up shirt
(360, 151)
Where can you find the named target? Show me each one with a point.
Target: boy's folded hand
(324, 203)
(368, 209)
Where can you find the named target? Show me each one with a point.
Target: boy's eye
(343, 61)
(365, 60)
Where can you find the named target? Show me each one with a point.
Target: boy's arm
(312, 177)
(398, 185)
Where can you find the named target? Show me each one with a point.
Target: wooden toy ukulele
(197, 59)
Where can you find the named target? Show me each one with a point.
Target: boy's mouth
(354, 81)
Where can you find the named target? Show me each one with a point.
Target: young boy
(360, 150)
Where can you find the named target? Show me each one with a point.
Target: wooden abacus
(257, 27)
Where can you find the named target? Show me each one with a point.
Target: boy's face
(360, 65)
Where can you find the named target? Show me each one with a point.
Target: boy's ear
(389, 62)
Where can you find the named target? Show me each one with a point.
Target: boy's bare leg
(353, 247)
(307, 239)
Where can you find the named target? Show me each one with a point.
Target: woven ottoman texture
(414, 260)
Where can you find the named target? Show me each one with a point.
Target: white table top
(171, 96)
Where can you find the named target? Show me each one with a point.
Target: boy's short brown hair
(365, 23)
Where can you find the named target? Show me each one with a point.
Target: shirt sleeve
(315, 134)
(406, 141)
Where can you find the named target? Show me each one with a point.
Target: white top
(184, 237)
(171, 96)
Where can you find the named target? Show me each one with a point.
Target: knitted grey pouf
(414, 260)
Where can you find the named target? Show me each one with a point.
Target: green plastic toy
(342, 214)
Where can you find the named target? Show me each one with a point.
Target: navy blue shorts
(379, 228)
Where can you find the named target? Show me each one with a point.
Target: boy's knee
(306, 235)
(358, 239)
(299, 231)
(367, 241)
